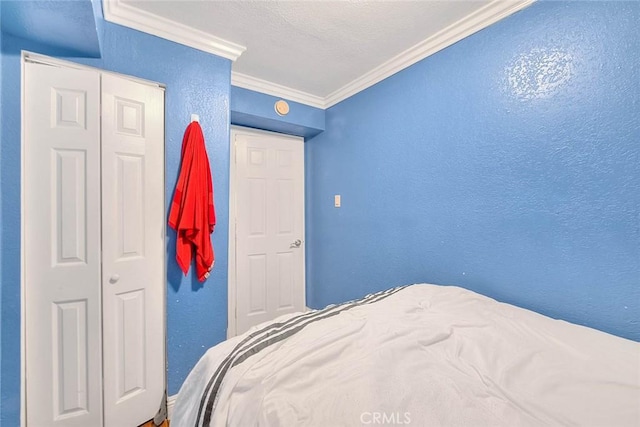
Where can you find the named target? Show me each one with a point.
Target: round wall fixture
(282, 108)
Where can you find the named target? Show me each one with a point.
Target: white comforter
(423, 355)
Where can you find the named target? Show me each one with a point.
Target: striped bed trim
(267, 336)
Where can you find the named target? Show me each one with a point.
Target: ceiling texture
(315, 52)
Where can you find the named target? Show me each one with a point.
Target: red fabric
(192, 212)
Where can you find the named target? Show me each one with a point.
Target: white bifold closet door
(93, 248)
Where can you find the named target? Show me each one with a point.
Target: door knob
(295, 244)
(114, 278)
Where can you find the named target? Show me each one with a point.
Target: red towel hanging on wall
(192, 212)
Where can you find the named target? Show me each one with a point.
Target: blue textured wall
(66, 25)
(256, 110)
(508, 163)
(196, 83)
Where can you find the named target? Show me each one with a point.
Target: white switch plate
(336, 200)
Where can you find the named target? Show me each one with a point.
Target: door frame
(28, 56)
(232, 279)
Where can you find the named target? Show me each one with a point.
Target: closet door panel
(62, 246)
(133, 250)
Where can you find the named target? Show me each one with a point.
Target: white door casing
(268, 224)
(94, 352)
(62, 246)
(133, 224)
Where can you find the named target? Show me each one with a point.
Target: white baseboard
(171, 401)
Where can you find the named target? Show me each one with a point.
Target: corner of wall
(98, 18)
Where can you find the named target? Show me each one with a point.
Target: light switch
(336, 200)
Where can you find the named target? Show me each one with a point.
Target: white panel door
(62, 246)
(269, 188)
(133, 221)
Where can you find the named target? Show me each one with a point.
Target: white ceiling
(317, 52)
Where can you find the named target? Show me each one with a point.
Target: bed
(422, 355)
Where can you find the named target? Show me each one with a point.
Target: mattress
(416, 355)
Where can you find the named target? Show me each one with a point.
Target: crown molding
(118, 12)
(482, 18)
(274, 89)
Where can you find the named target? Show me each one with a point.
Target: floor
(151, 424)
